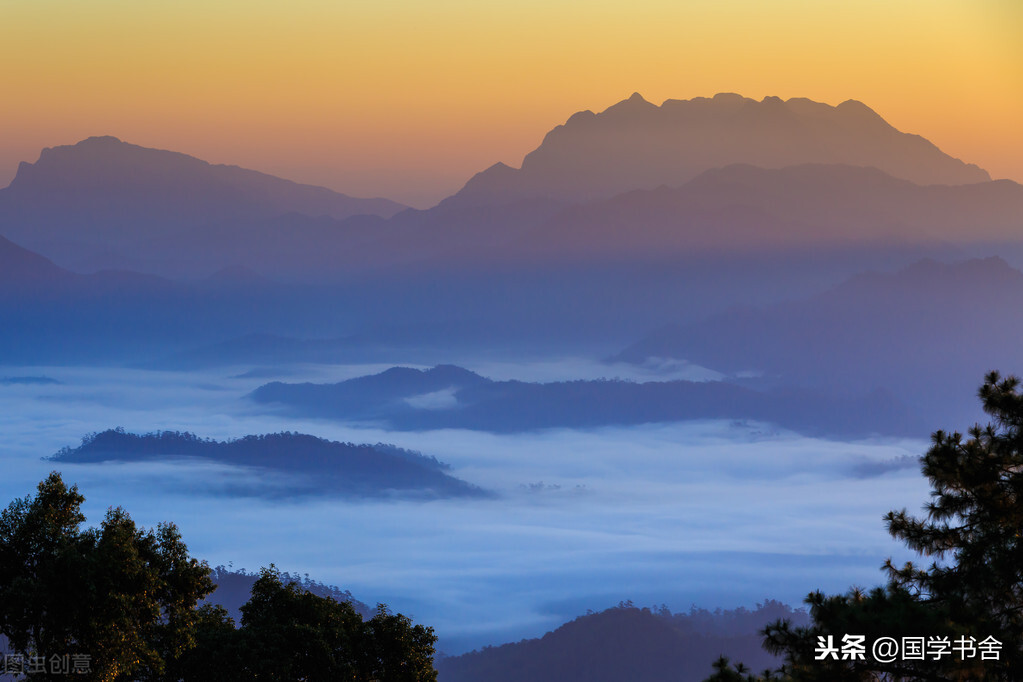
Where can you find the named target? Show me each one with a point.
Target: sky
(407, 99)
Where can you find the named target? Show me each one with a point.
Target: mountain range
(447, 396)
(928, 333)
(184, 254)
(106, 202)
(627, 643)
(638, 145)
(636, 181)
(748, 209)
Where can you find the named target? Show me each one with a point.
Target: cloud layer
(712, 513)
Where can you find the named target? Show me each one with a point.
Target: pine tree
(973, 587)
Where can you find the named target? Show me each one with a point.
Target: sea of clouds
(711, 513)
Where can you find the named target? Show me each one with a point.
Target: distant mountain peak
(101, 139)
(635, 105)
(452, 373)
(635, 100)
(79, 202)
(635, 144)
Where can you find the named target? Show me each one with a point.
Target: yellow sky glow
(408, 99)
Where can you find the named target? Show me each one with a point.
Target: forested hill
(315, 465)
(447, 396)
(627, 643)
(234, 588)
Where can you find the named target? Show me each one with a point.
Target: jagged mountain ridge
(657, 181)
(638, 145)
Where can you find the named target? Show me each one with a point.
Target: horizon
(293, 94)
(433, 202)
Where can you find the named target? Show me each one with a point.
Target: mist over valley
(686, 354)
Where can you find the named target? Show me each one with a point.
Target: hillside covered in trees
(120, 602)
(313, 465)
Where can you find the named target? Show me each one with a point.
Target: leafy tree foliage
(288, 633)
(972, 534)
(126, 598)
(122, 595)
(735, 673)
(396, 650)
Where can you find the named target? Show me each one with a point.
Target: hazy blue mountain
(22, 268)
(638, 145)
(234, 588)
(53, 315)
(627, 643)
(31, 282)
(738, 210)
(310, 465)
(530, 271)
(447, 396)
(373, 343)
(745, 209)
(928, 333)
(107, 202)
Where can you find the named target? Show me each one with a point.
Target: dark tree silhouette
(122, 596)
(124, 599)
(973, 588)
(288, 633)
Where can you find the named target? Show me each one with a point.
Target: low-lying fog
(706, 513)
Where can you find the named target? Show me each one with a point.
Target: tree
(288, 633)
(973, 588)
(300, 636)
(123, 596)
(126, 598)
(396, 650)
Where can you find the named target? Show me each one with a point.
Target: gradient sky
(407, 99)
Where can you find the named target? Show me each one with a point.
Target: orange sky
(407, 99)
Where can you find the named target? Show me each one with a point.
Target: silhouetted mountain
(234, 588)
(53, 315)
(23, 268)
(108, 203)
(748, 210)
(627, 643)
(30, 277)
(65, 317)
(451, 397)
(310, 465)
(638, 145)
(104, 204)
(739, 209)
(927, 333)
